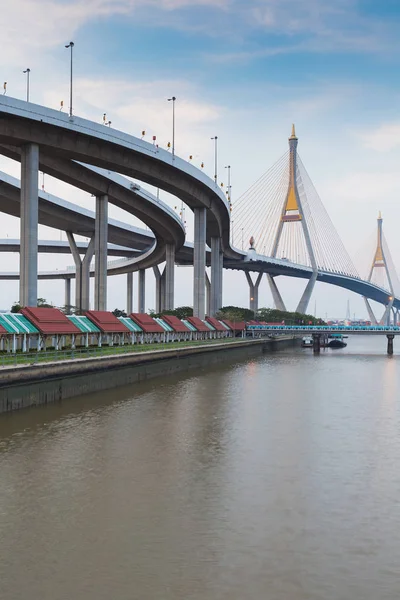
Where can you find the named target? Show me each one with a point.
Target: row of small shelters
(39, 328)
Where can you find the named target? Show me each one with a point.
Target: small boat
(336, 341)
(307, 342)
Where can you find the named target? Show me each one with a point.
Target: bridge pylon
(292, 212)
(379, 263)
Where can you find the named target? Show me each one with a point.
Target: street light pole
(173, 125)
(27, 71)
(215, 138)
(70, 45)
(229, 184)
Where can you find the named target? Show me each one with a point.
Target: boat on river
(307, 342)
(336, 341)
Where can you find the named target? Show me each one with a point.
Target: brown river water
(275, 478)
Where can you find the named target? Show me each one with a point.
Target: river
(276, 478)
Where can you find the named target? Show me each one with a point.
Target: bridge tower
(292, 212)
(379, 262)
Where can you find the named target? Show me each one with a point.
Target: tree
(235, 313)
(16, 307)
(69, 309)
(273, 315)
(119, 313)
(182, 312)
(41, 302)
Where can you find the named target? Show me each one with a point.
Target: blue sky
(242, 70)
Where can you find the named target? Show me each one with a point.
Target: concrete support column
(157, 276)
(276, 295)
(67, 296)
(221, 279)
(129, 293)
(101, 229)
(216, 275)
(85, 275)
(305, 299)
(29, 225)
(163, 281)
(316, 343)
(169, 277)
(199, 262)
(208, 294)
(78, 271)
(141, 290)
(371, 315)
(386, 315)
(390, 338)
(253, 291)
(82, 273)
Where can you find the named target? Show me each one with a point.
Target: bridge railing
(324, 328)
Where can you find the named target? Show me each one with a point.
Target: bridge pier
(305, 299)
(29, 214)
(157, 275)
(129, 293)
(141, 290)
(82, 273)
(371, 315)
(208, 294)
(199, 262)
(216, 276)
(101, 235)
(253, 291)
(316, 343)
(276, 295)
(390, 338)
(169, 277)
(67, 295)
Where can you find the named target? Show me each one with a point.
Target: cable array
(329, 251)
(258, 213)
(394, 278)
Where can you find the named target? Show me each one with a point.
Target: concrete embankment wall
(32, 385)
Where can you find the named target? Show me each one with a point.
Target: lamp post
(70, 45)
(173, 125)
(229, 184)
(27, 71)
(215, 138)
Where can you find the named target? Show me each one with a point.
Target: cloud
(28, 27)
(384, 138)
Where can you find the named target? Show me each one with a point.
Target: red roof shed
(175, 323)
(2, 330)
(147, 323)
(235, 325)
(106, 321)
(198, 323)
(215, 323)
(49, 321)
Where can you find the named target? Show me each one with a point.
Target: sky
(243, 70)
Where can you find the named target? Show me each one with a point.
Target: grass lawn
(52, 355)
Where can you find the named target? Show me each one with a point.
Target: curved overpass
(61, 138)
(63, 215)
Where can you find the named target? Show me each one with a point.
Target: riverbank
(34, 385)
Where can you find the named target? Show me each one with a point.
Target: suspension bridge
(290, 233)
